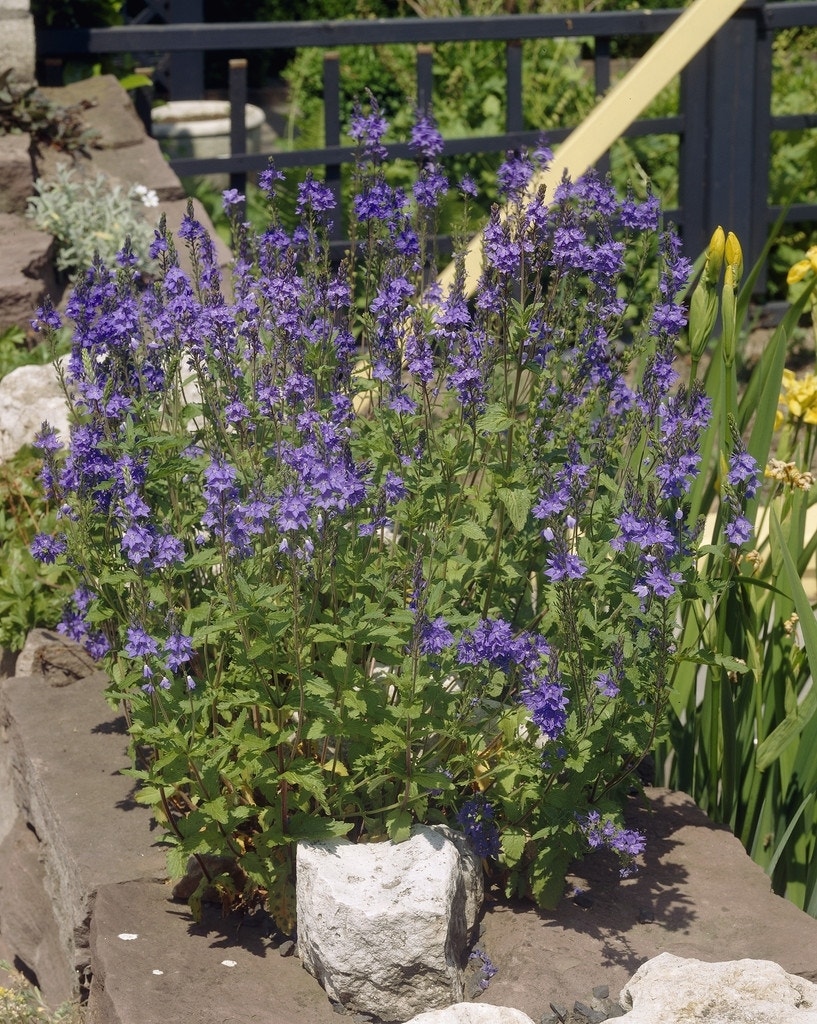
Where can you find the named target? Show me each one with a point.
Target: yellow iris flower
(801, 268)
(799, 395)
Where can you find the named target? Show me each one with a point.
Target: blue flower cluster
(603, 833)
(476, 818)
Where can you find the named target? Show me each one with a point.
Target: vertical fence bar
(732, 127)
(762, 155)
(514, 116)
(143, 100)
(601, 75)
(693, 174)
(331, 129)
(425, 77)
(238, 120)
(186, 68)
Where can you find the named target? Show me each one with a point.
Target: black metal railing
(724, 124)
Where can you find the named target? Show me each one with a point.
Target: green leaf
(514, 841)
(316, 828)
(471, 530)
(398, 825)
(216, 809)
(790, 728)
(724, 661)
(494, 420)
(177, 862)
(517, 502)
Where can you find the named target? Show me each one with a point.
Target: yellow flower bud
(714, 255)
(734, 258)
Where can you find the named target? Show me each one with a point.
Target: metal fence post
(186, 68)
(425, 78)
(733, 125)
(331, 130)
(238, 119)
(692, 158)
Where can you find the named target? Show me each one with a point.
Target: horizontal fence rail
(724, 124)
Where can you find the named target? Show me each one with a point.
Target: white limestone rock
(671, 990)
(385, 927)
(472, 1013)
(29, 395)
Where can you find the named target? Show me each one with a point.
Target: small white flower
(145, 195)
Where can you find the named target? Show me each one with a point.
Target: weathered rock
(54, 656)
(384, 927)
(26, 270)
(65, 806)
(472, 1013)
(29, 395)
(672, 990)
(16, 174)
(17, 39)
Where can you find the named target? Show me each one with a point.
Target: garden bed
(67, 807)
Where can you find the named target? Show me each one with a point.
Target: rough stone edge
(72, 900)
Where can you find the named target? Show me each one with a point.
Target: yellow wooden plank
(617, 110)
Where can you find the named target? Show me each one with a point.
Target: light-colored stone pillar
(17, 39)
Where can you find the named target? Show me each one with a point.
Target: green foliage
(793, 163)
(21, 1003)
(68, 14)
(92, 216)
(19, 348)
(743, 717)
(31, 594)
(24, 109)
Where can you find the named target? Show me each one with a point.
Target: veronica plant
(358, 553)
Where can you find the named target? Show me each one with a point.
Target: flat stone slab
(698, 895)
(69, 752)
(256, 984)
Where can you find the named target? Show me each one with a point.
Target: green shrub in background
(31, 594)
(793, 165)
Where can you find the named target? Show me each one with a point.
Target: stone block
(109, 110)
(674, 990)
(472, 1013)
(17, 44)
(27, 916)
(26, 270)
(383, 926)
(142, 164)
(29, 395)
